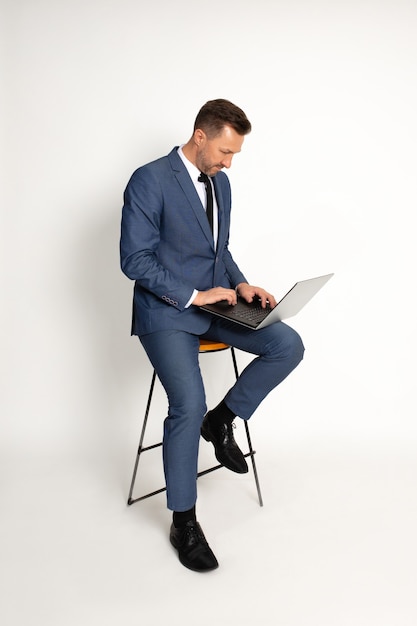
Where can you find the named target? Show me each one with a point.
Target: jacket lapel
(191, 194)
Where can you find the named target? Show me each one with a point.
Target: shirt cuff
(195, 292)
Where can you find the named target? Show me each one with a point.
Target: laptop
(253, 316)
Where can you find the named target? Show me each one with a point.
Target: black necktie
(203, 178)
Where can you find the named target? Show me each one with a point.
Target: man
(180, 261)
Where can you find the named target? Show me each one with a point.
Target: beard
(207, 166)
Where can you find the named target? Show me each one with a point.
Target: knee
(296, 346)
(289, 345)
(189, 410)
(196, 409)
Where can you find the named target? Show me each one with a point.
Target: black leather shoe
(226, 449)
(193, 550)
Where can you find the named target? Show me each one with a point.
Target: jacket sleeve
(140, 239)
(234, 273)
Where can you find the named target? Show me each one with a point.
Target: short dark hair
(216, 114)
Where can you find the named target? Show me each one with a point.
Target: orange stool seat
(212, 346)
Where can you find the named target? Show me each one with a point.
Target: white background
(326, 182)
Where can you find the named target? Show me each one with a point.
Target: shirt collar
(193, 171)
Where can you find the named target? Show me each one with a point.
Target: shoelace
(194, 534)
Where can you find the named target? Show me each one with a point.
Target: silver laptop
(253, 316)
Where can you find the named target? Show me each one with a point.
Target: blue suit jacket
(167, 247)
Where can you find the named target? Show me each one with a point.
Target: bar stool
(206, 347)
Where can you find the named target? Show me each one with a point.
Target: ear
(199, 136)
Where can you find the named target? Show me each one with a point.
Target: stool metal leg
(143, 449)
(252, 452)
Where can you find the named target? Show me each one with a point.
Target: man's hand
(215, 295)
(249, 292)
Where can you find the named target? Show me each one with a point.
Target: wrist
(238, 287)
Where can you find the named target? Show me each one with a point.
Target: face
(215, 154)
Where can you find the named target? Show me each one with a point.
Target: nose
(227, 161)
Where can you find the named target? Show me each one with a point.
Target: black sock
(180, 518)
(222, 413)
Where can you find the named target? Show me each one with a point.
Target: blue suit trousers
(175, 356)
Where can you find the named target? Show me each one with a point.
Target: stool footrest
(144, 449)
(147, 495)
(202, 473)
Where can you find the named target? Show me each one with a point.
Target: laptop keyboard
(250, 312)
